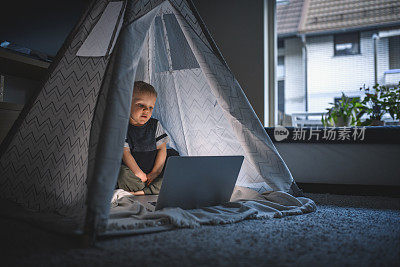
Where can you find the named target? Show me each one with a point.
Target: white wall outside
(294, 76)
(329, 75)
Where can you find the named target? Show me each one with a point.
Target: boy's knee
(154, 188)
(151, 190)
(128, 181)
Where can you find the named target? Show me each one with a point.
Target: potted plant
(345, 112)
(382, 100)
(391, 97)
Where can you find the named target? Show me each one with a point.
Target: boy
(145, 149)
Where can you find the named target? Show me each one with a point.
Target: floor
(345, 230)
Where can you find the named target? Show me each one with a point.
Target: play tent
(62, 156)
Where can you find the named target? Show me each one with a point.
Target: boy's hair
(143, 87)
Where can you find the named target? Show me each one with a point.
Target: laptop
(192, 182)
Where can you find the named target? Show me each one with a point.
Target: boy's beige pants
(128, 181)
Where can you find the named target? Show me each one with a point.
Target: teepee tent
(62, 156)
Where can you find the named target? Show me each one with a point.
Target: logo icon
(280, 133)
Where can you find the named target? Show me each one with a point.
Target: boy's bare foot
(138, 193)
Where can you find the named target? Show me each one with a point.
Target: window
(394, 52)
(282, 2)
(281, 68)
(160, 51)
(281, 96)
(337, 99)
(182, 56)
(281, 43)
(104, 33)
(281, 60)
(347, 44)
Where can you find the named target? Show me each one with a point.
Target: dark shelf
(16, 64)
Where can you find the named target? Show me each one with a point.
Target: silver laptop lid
(199, 181)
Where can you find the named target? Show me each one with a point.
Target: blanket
(133, 215)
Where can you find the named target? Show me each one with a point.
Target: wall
(360, 164)
(18, 90)
(41, 25)
(9, 112)
(237, 28)
(294, 76)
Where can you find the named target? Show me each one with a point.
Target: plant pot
(341, 122)
(377, 123)
(395, 123)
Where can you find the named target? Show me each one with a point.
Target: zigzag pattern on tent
(97, 122)
(247, 127)
(258, 146)
(45, 165)
(206, 126)
(167, 111)
(207, 130)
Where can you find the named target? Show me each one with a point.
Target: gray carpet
(345, 230)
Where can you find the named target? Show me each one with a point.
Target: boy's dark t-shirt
(143, 141)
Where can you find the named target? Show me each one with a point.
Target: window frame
(335, 42)
(394, 62)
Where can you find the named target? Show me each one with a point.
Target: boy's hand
(150, 177)
(142, 176)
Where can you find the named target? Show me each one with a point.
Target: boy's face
(142, 108)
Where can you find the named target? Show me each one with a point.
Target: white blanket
(130, 215)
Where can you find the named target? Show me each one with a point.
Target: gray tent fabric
(63, 155)
(44, 165)
(116, 117)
